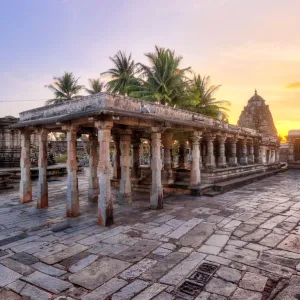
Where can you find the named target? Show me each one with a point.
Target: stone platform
(249, 235)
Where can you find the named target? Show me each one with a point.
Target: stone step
(238, 182)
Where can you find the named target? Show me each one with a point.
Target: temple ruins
(219, 151)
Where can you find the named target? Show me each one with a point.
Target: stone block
(8, 276)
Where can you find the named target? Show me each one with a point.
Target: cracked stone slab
(98, 272)
(47, 282)
(174, 276)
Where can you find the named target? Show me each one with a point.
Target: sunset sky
(242, 45)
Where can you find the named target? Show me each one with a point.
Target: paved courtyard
(244, 244)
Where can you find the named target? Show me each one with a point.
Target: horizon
(246, 46)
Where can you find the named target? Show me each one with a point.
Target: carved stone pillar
(167, 173)
(135, 172)
(291, 156)
(93, 190)
(244, 154)
(181, 154)
(72, 167)
(42, 187)
(195, 175)
(125, 183)
(210, 156)
(222, 157)
(233, 158)
(25, 182)
(117, 155)
(251, 152)
(156, 198)
(105, 204)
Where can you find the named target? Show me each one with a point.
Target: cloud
(294, 85)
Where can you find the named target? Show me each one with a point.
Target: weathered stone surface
(256, 236)
(217, 240)
(34, 293)
(48, 269)
(196, 236)
(138, 251)
(98, 272)
(164, 296)
(253, 282)
(137, 269)
(8, 295)
(229, 274)
(16, 266)
(7, 276)
(174, 276)
(151, 292)
(83, 263)
(220, 287)
(16, 286)
(210, 249)
(129, 291)
(47, 251)
(47, 282)
(105, 290)
(161, 251)
(241, 294)
(163, 266)
(203, 296)
(11, 237)
(291, 243)
(55, 258)
(184, 228)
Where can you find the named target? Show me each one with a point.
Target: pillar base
(105, 218)
(244, 161)
(125, 198)
(157, 198)
(233, 162)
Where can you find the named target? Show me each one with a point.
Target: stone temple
(257, 115)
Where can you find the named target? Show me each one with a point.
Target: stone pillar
(195, 175)
(233, 158)
(210, 156)
(93, 190)
(72, 167)
(25, 182)
(42, 186)
(181, 153)
(117, 155)
(244, 157)
(167, 174)
(291, 156)
(222, 158)
(105, 204)
(251, 152)
(135, 172)
(156, 198)
(125, 183)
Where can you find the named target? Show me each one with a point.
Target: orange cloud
(295, 85)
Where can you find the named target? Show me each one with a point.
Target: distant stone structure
(257, 115)
(293, 157)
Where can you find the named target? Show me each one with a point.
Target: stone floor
(249, 235)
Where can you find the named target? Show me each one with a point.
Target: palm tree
(202, 99)
(164, 81)
(96, 86)
(123, 74)
(64, 88)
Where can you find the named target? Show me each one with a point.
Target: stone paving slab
(98, 272)
(8, 276)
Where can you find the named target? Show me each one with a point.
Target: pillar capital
(106, 124)
(209, 136)
(222, 138)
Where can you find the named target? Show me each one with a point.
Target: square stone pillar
(135, 172)
(244, 157)
(93, 190)
(167, 173)
(156, 198)
(291, 156)
(251, 152)
(222, 158)
(125, 183)
(72, 168)
(105, 204)
(25, 182)
(210, 156)
(117, 156)
(233, 158)
(42, 186)
(195, 175)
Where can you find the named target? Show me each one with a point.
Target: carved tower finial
(255, 92)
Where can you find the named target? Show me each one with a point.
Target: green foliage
(64, 88)
(122, 74)
(96, 86)
(61, 159)
(162, 81)
(202, 99)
